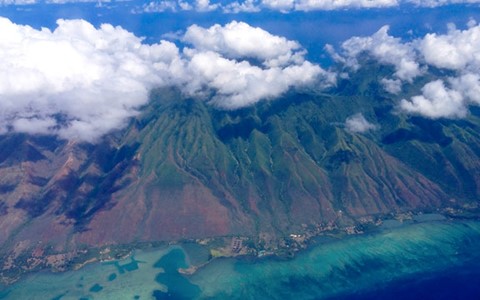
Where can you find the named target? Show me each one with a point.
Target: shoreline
(290, 246)
(363, 260)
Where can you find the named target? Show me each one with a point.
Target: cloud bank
(81, 82)
(286, 6)
(31, 2)
(437, 3)
(252, 6)
(17, 2)
(457, 52)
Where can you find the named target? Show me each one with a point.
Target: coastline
(326, 262)
(241, 247)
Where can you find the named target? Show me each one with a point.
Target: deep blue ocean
(461, 282)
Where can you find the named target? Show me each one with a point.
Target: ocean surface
(419, 260)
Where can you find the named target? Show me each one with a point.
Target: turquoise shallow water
(401, 261)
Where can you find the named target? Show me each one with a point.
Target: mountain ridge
(184, 169)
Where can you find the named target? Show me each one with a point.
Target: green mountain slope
(185, 169)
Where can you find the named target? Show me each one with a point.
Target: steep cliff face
(184, 169)
(51, 188)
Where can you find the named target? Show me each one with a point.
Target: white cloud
(469, 86)
(358, 123)
(456, 50)
(286, 6)
(80, 82)
(17, 2)
(308, 5)
(184, 5)
(437, 3)
(33, 125)
(92, 79)
(238, 84)
(249, 6)
(74, 1)
(313, 5)
(393, 86)
(281, 5)
(436, 101)
(238, 39)
(205, 5)
(160, 6)
(177, 5)
(471, 23)
(387, 50)
(222, 59)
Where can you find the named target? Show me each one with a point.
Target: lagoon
(428, 260)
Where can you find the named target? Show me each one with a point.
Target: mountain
(184, 169)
